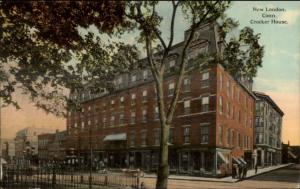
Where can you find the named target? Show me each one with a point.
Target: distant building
(52, 146)
(26, 142)
(8, 150)
(268, 130)
(290, 154)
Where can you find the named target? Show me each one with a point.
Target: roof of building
(264, 96)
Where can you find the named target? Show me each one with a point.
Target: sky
(279, 77)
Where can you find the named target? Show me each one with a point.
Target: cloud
(291, 16)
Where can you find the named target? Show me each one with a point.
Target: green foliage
(243, 55)
(45, 56)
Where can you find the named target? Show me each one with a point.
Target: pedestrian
(244, 174)
(256, 168)
(234, 170)
(240, 168)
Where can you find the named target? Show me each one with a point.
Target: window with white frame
(132, 117)
(204, 134)
(187, 84)
(133, 78)
(205, 104)
(144, 138)
(156, 113)
(187, 106)
(205, 80)
(171, 135)
(156, 136)
(171, 89)
(145, 98)
(228, 134)
(172, 65)
(145, 74)
(121, 119)
(132, 138)
(221, 105)
(104, 121)
(221, 134)
(133, 99)
(122, 101)
(232, 136)
(82, 124)
(112, 102)
(144, 116)
(186, 135)
(112, 121)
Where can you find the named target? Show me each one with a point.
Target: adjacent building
(8, 150)
(52, 146)
(26, 143)
(268, 130)
(212, 126)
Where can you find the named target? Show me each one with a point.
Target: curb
(239, 180)
(224, 181)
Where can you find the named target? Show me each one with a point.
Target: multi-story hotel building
(212, 126)
(268, 130)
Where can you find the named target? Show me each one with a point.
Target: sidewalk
(250, 173)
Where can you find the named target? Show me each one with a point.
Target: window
(112, 121)
(145, 96)
(112, 102)
(205, 80)
(75, 125)
(132, 117)
(221, 134)
(232, 137)
(122, 101)
(104, 121)
(82, 125)
(205, 104)
(132, 138)
(144, 117)
(239, 116)
(204, 134)
(133, 78)
(145, 74)
(133, 97)
(228, 109)
(171, 89)
(187, 106)
(228, 137)
(89, 122)
(228, 88)
(221, 105)
(172, 65)
(171, 136)
(186, 135)
(156, 136)
(156, 113)
(121, 119)
(221, 81)
(239, 139)
(144, 138)
(89, 108)
(187, 85)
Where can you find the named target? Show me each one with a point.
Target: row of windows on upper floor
(235, 113)
(233, 138)
(144, 118)
(262, 138)
(233, 90)
(171, 87)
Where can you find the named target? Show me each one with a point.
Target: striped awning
(292, 154)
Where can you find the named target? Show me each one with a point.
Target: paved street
(288, 177)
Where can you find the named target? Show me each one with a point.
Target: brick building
(52, 146)
(212, 125)
(268, 130)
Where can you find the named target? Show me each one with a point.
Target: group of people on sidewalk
(239, 171)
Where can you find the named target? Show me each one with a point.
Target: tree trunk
(163, 168)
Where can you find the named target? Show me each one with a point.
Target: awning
(3, 161)
(236, 160)
(242, 160)
(221, 155)
(292, 154)
(115, 137)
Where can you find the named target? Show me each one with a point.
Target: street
(288, 177)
